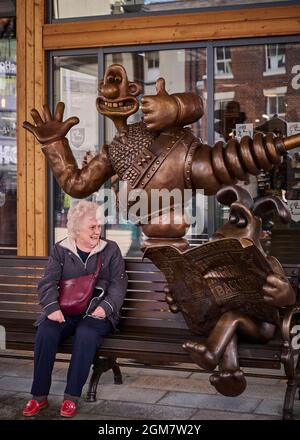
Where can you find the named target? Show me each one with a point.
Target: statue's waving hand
(51, 128)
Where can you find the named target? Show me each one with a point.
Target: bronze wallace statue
(161, 152)
(158, 152)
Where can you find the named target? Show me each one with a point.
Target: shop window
(152, 67)
(8, 148)
(275, 59)
(75, 83)
(255, 102)
(68, 8)
(183, 70)
(246, 101)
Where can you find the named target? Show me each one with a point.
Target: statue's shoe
(229, 383)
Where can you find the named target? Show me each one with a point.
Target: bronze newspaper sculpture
(224, 290)
(160, 152)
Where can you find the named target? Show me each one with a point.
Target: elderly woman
(75, 256)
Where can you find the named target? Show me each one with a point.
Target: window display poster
(292, 128)
(243, 130)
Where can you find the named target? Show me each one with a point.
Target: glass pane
(183, 70)
(263, 96)
(75, 83)
(8, 148)
(86, 8)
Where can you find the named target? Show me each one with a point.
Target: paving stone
(83, 407)
(217, 402)
(274, 407)
(250, 379)
(4, 395)
(258, 390)
(25, 370)
(267, 371)
(262, 380)
(127, 393)
(12, 383)
(200, 376)
(21, 384)
(13, 405)
(143, 411)
(227, 415)
(146, 394)
(14, 367)
(79, 416)
(154, 372)
(174, 384)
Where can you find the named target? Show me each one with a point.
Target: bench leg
(293, 384)
(288, 407)
(102, 364)
(117, 373)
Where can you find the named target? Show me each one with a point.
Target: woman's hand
(99, 313)
(57, 316)
(51, 128)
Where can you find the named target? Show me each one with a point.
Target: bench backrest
(144, 305)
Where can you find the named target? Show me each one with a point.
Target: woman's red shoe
(68, 408)
(33, 407)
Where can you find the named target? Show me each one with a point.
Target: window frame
(210, 63)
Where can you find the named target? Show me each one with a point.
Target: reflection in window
(275, 102)
(183, 70)
(223, 61)
(275, 105)
(266, 103)
(70, 8)
(275, 58)
(75, 83)
(152, 60)
(8, 149)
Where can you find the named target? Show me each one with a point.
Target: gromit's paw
(170, 300)
(201, 355)
(229, 383)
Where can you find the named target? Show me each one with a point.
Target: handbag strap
(97, 273)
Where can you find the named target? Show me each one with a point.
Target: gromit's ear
(234, 193)
(135, 88)
(266, 207)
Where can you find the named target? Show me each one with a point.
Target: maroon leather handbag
(75, 293)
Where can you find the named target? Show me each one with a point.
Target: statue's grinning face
(117, 96)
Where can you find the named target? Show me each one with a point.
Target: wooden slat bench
(150, 335)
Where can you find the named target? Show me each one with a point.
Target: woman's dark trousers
(87, 337)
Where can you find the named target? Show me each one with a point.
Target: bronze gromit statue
(157, 152)
(257, 319)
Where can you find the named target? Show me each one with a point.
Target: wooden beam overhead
(240, 23)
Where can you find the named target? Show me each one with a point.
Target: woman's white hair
(82, 209)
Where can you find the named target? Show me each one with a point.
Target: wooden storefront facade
(35, 37)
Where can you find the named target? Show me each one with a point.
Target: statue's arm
(51, 133)
(79, 183)
(163, 111)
